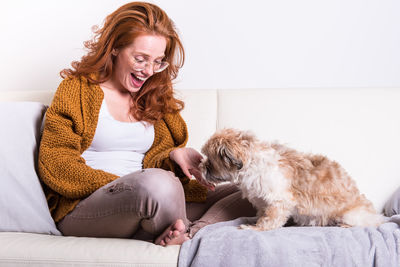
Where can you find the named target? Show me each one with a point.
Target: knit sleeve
(60, 164)
(171, 133)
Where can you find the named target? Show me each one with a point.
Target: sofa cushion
(23, 206)
(392, 206)
(200, 114)
(357, 127)
(22, 249)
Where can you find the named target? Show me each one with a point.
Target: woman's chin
(134, 89)
(131, 88)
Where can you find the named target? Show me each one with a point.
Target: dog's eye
(208, 166)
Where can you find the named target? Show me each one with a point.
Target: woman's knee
(161, 199)
(155, 183)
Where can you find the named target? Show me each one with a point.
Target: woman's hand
(189, 159)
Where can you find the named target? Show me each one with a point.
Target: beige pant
(142, 204)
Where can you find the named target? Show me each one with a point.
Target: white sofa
(360, 128)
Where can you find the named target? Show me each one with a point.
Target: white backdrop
(229, 44)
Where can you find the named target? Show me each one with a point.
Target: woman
(112, 148)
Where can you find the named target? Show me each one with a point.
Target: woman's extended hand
(189, 159)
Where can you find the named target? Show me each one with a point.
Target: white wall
(229, 44)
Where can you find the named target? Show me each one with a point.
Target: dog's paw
(243, 226)
(249, 227)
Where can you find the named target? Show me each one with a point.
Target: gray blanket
(223, 244)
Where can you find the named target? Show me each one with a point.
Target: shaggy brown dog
(281, 183)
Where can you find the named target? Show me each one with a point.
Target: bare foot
(173, 235)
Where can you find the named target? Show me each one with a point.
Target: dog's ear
(230, 159)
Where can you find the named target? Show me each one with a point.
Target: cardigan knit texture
(69, 128)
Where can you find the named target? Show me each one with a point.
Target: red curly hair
(156, 97)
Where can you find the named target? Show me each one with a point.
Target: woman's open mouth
(137, 81)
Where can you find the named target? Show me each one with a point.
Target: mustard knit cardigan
(69, 128)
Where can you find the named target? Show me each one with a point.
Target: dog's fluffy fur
(281, 183)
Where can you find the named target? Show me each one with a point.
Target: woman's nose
(148, 70)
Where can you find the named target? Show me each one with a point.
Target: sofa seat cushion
(19, 249)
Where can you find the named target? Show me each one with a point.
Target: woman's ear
(114, 52)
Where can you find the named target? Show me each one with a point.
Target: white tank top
(118, 147)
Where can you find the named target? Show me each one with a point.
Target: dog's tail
(362, 216)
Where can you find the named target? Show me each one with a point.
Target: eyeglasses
(139, 64)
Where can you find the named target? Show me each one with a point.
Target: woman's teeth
(139, 78)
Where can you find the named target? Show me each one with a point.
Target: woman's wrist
(172, 154)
